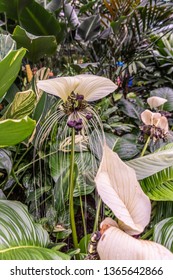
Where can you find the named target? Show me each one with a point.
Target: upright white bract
(119, 189)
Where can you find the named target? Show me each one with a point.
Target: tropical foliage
(86, 102)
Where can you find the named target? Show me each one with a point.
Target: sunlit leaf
(22, 105)
(15, 131)
(9, 68)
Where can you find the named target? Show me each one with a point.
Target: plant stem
(97, 215)
(145, 146)
(71, 189)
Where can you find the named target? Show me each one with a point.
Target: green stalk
(71, 189)
(97, 215)
(145, 146)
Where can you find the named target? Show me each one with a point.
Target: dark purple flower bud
(79, 121)
(89, 116)
(79, 97)
(78, 127)
(71, 123)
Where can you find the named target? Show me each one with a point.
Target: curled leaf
(117, 245)
(120, 191)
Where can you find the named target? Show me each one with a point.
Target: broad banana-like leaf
(163, 233)
(152, 163)
(20, 237)
(22, 105)
(37, 46)
(14, 131)
(9, 68)
(115, 244)
(119, 189)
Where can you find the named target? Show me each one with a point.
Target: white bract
(156, 101)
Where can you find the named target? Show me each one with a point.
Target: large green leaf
(22, 105)
(20, 237)
(9, 68)
(36, 20)
(159, 186)
(37, 46)
(152, 163)
(163, 233)
(15, 131)
(32, 16)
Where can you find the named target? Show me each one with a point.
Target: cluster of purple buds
(79, 97)
(76, 124)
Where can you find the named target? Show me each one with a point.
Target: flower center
(75, 102)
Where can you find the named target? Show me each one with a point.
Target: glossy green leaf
(89, 28)
(7, 44)
(31, 16)
(15, 131)
(20, 237)
(163, 233)
(36, 20)
(5, 160)
(9, 68)
(22, 105)
(37, 46)
(152, 163)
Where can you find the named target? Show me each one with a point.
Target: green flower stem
(145, 146)
(71, 189)
(97, 215)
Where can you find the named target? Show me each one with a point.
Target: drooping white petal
(118, 245)
(163, 124)
(61, 87)
(92, 87)
(150, 118)
(119, 189)
(156, 101)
